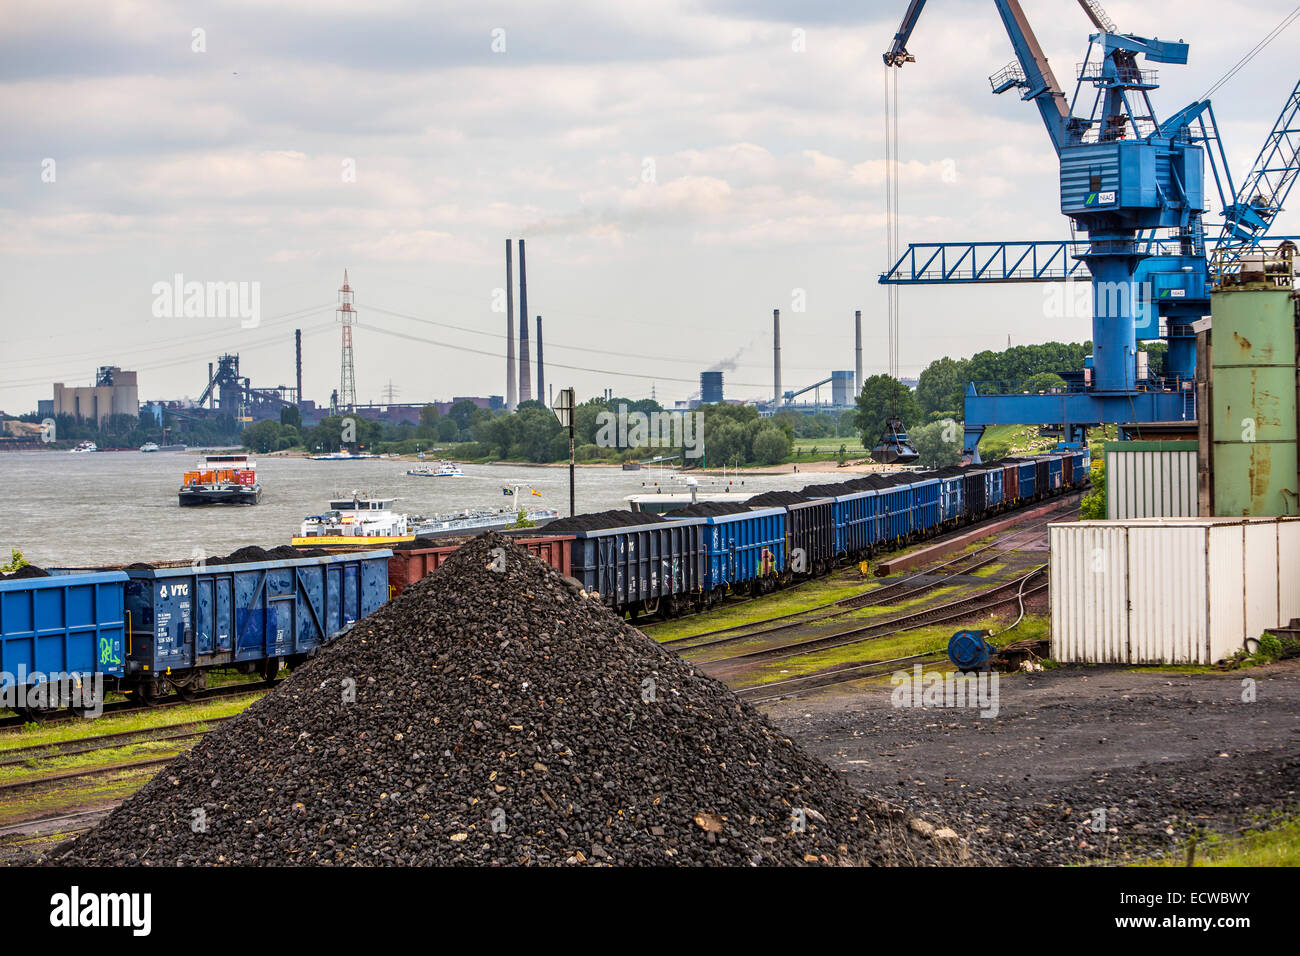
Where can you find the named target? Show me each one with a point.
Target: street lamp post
(564, 411)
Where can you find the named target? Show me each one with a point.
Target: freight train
(691, 559)
(151, 630)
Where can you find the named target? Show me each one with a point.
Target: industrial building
(114, 393)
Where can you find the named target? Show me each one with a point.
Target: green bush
(1093, 505)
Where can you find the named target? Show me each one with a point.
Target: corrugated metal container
(1150, 479)
(1169, 591)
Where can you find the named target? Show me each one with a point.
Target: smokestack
(541, 370)
(512, 394)
(297, 352)
(857, 353)
(776, 354)
(525, 373)
(212, 395)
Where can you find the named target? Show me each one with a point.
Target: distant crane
(1125, 178)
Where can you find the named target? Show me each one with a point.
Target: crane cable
(1258, 48)
(891, 211)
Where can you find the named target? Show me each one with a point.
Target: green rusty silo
(1254, 392)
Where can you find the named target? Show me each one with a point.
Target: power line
(170, 363)
(1254, 52)
(133, 350)
(573, 368)
(496, 336)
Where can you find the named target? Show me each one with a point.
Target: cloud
(767, 163)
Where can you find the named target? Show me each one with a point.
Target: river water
(106, 508)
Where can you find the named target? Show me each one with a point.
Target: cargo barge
(223, 480)
(365, 521)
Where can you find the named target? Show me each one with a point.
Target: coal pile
(711, 509)
(618, 518)
(776, 498)
(246, 555)
(500, 717)
(25, 572)
(423, 543)
(828, 491)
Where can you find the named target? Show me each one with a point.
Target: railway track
(906, 588)
(1005, 593)
(789, 624)
(67, 823)
(840, 674)
(117, 708)
(85, 745)
(31, 783)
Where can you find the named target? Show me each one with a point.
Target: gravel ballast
(492, 716)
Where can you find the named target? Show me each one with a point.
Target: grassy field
(65, 730)
(814, 593)
(1278, 845)
(921, 640)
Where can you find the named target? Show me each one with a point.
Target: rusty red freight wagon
(411, 564)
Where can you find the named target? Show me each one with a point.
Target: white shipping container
(1170, 591)
(1146, 480)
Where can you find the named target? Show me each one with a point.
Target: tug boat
(223, 480)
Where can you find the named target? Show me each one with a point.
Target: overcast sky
(233, 163)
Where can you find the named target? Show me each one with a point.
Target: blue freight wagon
(636, 568)
(1055, 474)
(184, 620)
(855, 522)
(894, 513)
(810, 535)
(1026, 479)
(926, 506)
(1079, 468)
(950, 499)
(743, 549)
(994, 478)
(61, 627)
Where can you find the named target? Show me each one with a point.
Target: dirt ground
(1080, 764)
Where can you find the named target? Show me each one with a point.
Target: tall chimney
(212, 395)
(857, 353)
(776, 354)
(297, 351)
(525, 373)
(541, 370)
(512, 394)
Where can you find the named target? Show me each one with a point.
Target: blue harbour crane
(1137, 188)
